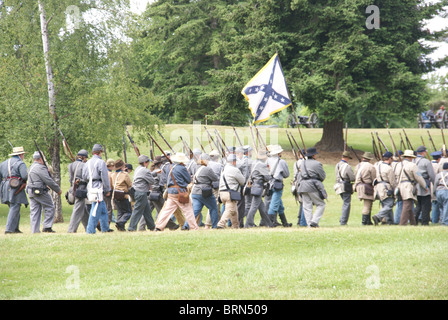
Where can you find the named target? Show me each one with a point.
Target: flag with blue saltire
(267, 92)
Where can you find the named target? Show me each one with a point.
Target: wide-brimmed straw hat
(275, 149)
(17, 151)
(179, 157)
(409, 153)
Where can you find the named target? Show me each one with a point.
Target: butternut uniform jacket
(385, 181)
(406, 184)
(120, 180)
(365, 172)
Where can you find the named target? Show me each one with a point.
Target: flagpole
(292, 106)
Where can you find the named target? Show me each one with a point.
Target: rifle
(161, 150)
(375, 148)
(381, 141)
(222, 140)
(402, 146)
(137, 151)
(166, 141)
(216, 145)
(151, 150)
(124, 151)
(67, 150)
(292, 146)
(432, 141)
(237, 137)
(408, 141)
(202, 148)
(423, 143)
(297, 145)
(187, 147)
(356, 155)
(394, 147)
(253, 138)
(42, 156)
(260, 138)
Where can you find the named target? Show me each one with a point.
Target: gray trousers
(309, 199)
(79, 215)
(12, 224)
(346, 205)
(124, 211)
(257, 203)
(141, 209)
(37, 205)
(386, 210)
(158, 205)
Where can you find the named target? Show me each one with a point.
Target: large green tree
(58, 71)
(333, 62)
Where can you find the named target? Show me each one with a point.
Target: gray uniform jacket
(426, 169)
(39, 177)
(245, 166)
(441, 181)
(77, 167)
(234, 178)
(217, 169)
(204, 177)
(260, 173)
(279, 171)
(18, 169)
(311, 176)
(100, 174)
(143, 179)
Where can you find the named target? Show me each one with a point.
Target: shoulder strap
(443, 180)
(197, 174)
(74, 174)
(115, 184)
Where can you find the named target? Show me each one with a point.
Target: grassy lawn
(332, 262)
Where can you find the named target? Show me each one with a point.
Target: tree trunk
(54, 144)
(332, 137)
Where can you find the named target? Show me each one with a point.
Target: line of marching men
(410, 187)
(233, 189)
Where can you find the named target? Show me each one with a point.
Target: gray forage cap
(83, 153)
(36, 155)
(97, 147)
(143, 159)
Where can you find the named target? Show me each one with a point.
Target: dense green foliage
(197, 56)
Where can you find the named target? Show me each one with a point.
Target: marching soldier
(435, 208)
(365, 174)
(423, 207)
(409, 177)
(232, 180)
(143, 180)
(14, 175)
(279, 170)
(216, 165)
(95, 171)
(344, 179)
(39, 182)
(259, 178)
(397, 165)
(311, 188)
(80, 214)
(244, 164)
(384, 189)
(441, 186)
(121, 183)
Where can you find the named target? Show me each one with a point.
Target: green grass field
(332, 262)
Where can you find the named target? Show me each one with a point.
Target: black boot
(284, 221)
(274, 220)
(366, 220)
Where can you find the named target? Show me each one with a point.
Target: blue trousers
(101, 216)
(442, 199)
(276, 205)
(199, 202)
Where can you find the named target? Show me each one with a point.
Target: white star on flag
(267, 92)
